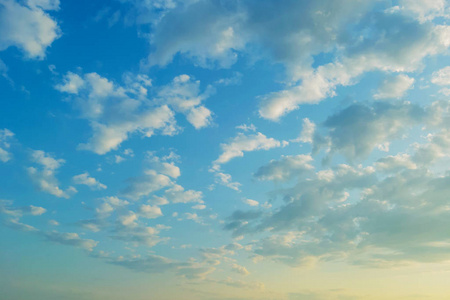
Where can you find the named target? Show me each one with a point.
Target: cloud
(150, 212)
(71, 239)
(250, 202)
(245, 143)
(148, 264)
(44, 177)
(393, 163)
(117, 111)
(358, 129)
(359, 35)
(28, 26)
(441, 77)
(286, 168)
(17, 225)
(394, 87)
(425, 10)
(226, 180)
(386, 49)
(184, 96)
(143, 185)
(177, 194)
(91, 182)
(5, 137)
(358, 215)
(239, 269)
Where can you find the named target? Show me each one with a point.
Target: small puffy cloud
(199, 206)
(143, 185)
(71, 239)
(394, 87)
(108, 206)
(130, 231)
(5, 137)
(177, 194)
(226, 180)
(245, 143)
(91, 182)
(17, 212)
(53, 222)
(286, 168)
(116, 111)
(250, 202)
(44, 177)
(441, 77)
(28, 26)
(184, 96)
(239, 269)
(307, 133)
(149, 212)
(394, 163)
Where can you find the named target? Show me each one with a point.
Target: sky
(224, 149)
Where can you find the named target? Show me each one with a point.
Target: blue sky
(207, 149)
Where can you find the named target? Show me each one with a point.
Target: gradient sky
(224, 149)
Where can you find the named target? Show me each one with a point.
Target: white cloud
(425, 10)
(146, 184)
(44, 178)
(115, 112)
(245, 143)
(441, 77)
(286, 168)
(177, 194)
(250, 202)
(394, 87)
(359, 128)
(150, 212)
(226, 180)
(5, 137)
(91, 182)
(71, 239)
(395, 163)
(184, 96)
(28, 27)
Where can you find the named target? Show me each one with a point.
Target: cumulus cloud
(359, 128)
(425, 10)
(245, 143)
(394, 87)
(71, 239)
(27, 26)
(441, 77)
(177, 194)
(91, 182)
(362, 40)
(5, 138)
(286, 168)
(250, 202)
(17, 212)
(44, 176)
(369, 218)
(184, 96)
(115, 112)
(150, 212)
(143, 185)
(226, 180)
